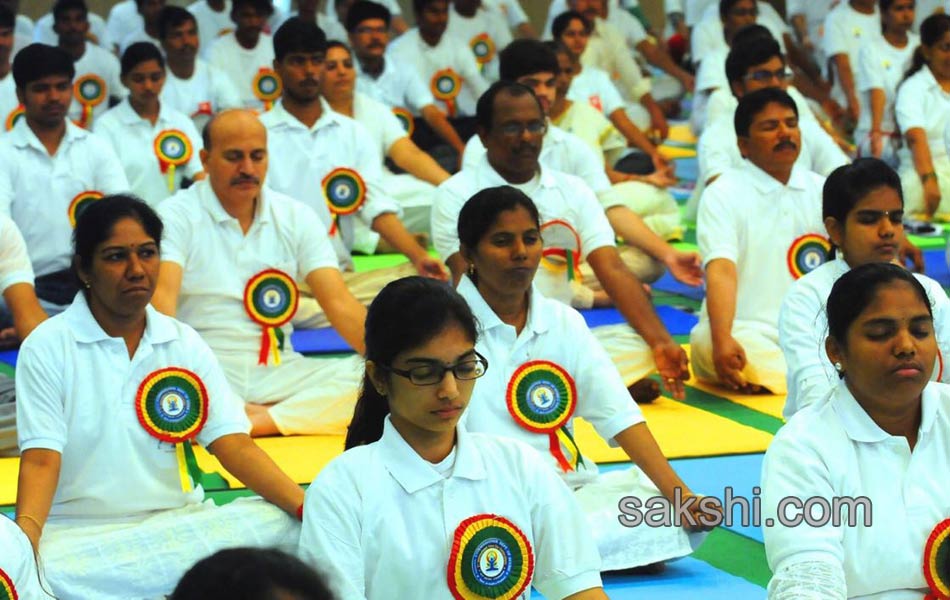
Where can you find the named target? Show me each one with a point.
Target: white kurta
(380, 520)
(922, 104)
(834, 450)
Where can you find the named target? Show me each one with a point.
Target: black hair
(173, 17)
(37, 61)
(752, 45)
(725, 6)
(420, 5)
(63, 6)
(251, 574)
(95, 223)
(406, 314)
(262, 7)
(848, 184)
(932, 31)
(563, 20)
(297, 35)
(526, 57)
(485, 107)
(7, 17)
(338, 44)
(138, 53)
(482, 210)
(753, 103)
(364, 10)
(856, 289)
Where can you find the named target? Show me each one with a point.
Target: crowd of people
(182, 188)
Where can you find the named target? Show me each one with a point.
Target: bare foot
(644, 391)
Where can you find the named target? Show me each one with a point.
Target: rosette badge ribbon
(90, 91)
(173, 149)
(483, 47)
(270, 299)
(267, 87)
(562, 248)
(807, 253)
(490, 558)
(80, 203)
(937, 562)
(446, 85)
(13, 117)
(172, 406)
(345, 193)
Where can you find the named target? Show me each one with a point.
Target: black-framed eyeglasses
(433, 373)
(518, 129)
(763, 75)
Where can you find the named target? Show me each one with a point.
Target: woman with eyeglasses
(547, 368)
(863, 208)
(882, 62)
(419, 507)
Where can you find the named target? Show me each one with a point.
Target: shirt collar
(23, 137)
(209, 201)
(158, 327)
(489, 176)
(766, 184)
(328, 117)
(414, 473)
(486, 317)
(860, 427)
(127, 115)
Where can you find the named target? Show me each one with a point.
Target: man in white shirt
(846, 27)
(45, 34)
(151, 11)
(511, 127)
(124, 18)
(192, 86)
(339, 10)
(8, 100)
(48, 167)
(226, 233)
(759, 229)
(247, 54)
(483, 28)
(213, 19)
(98, 85)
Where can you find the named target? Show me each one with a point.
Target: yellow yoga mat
(672, 152)
(300, 456)
(680, 132)
(769, 404)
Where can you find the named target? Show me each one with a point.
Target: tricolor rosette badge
(90, 91)
(807, 253)
(541, 398)
(937, 562)
(406, 119)
(7, 589)
(490, 558)
(80, 203)
(267, 87)
(270, 299)
(446, 85)
(172, 406)
(173, 149)
(345, 193)
(483, 47)
(13, 117)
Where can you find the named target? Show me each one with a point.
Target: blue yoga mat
(687, 169)
(677, 322)
(935, 266)
(669, 284)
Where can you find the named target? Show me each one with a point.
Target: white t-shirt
(208, 91)
(754, 221)
(845, 30)
(242, 65)
(44, 34)
(17, 562)
(211, 23)
(36, 189)
(881, 66)
(922, 103)
(486, 33)
(593, 86)
(15, 264)
(101, 63)
(380, 520)
(133, 139)
(395, 87)
(218, 259)
(833, 450)
(76, 395)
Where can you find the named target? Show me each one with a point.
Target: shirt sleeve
(8, 165)
(225, 94)
(113, 71)
(225, 409)
(514, 12)
(801, 335)
(610, 98)
(940, 305)
(40, 405)
(392, 129)
(588, 166)
(314, 250)
(15, 266)
(868, 74)
(176, 235)
(592, 225)
(367, 164)
(717, 232)
(836, 38)
(191, 132)
(446, 206)
(909, 106)
(417, 95)
(471, 74)
(826, 155)
(717, 153)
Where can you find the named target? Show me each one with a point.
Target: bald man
(232, 252)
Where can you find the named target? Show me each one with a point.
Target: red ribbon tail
(555, 447)
(265, 347)
(333, 226)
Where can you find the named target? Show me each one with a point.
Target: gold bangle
(928, 175)
(30, 518)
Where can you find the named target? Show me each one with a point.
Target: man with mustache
(759, 229)
(47, 165)
(247, 51)
(229, 231)
(192, 86)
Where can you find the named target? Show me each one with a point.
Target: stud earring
(87, 284)
(471, 269)
(839, 368)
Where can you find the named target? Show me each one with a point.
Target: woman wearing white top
(18, 568)
(522, 334)
(923, 112)
(882, 62)
(157, 146)
(863, 209)
(110, 396)
(419, 507)
(868, 468)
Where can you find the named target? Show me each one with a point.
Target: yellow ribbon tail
(571, 446)
(274, 345)
(85, 120)
(186, 485)
(171, 178)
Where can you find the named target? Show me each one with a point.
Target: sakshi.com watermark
(742, 511)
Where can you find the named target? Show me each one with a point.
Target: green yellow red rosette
(345, 193)
(541, 397)
(79, 204)
(15, 115)
(7, 589)
(173, 149)
(267, 87)
(446, 85)
(172, 406)
(483, 47)
(937, 561)
(490, 558)
(807, 253)
(406, 119)
(90, 91)
(270, 299)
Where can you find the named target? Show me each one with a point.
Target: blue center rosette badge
(270, 299)
(90, 91)
(80, 203)
(807, 253)
(173, 149)
(172, 406)
(445, 86)
(345, 193)
(491, 558)
(937, 562)
(483, 47)
(267, 87)
(541, 398)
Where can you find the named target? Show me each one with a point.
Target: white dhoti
(145, 559)
(765, 363)
(364, 286)
(629, 352)
(656, 206)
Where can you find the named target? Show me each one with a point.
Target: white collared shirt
(103, 64)
(803, 327)
(208, 91)
(302, 157)
(76, 395)
(558, 196)
(133, 139)
(411, 52)
(488, 20)
(15, 264)
(18, 562)
(593, 86)
(242, 65)
(218, 259)
(36, 188)
(845, 31)
(922, 104)
(395, 87)
(380, 520)
(751, 219)
(602, 398)
(834, 449)
(882, 66)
